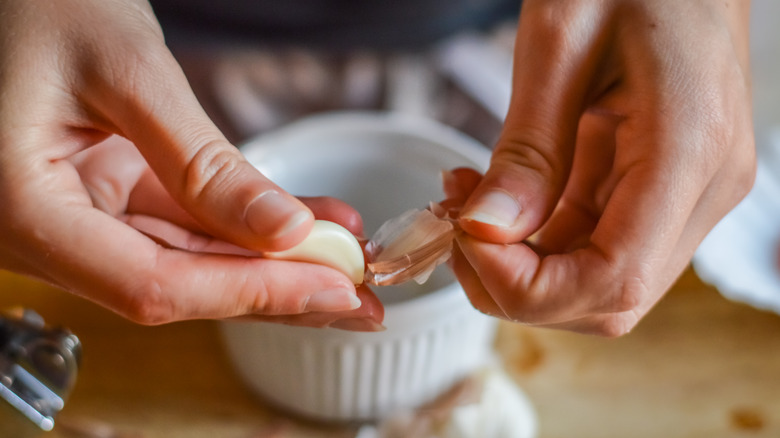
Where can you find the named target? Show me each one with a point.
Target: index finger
(145, 97)
(553, 73)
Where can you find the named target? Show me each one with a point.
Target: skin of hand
(629, 136)
(86, 210)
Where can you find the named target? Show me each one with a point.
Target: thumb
(152, 105)
(533, 157)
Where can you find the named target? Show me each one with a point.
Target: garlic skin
(327, 244)
(408, 247)
(488, 404)
(504, 411)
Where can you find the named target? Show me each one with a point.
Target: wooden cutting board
(697, 366)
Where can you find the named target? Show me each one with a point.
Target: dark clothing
(333, 24)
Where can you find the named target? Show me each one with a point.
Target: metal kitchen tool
(38, 367)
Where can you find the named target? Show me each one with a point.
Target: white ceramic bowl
(383, 165)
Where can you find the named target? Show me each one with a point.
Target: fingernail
(273, 202)
(447, 178)
(334, 300)
(496, 207)
(358, 325)
(449, 184)
(292, 223)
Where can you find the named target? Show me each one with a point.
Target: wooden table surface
(697, 366)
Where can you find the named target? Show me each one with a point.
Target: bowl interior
(381, 165)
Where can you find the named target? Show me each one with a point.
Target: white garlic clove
(328, 244)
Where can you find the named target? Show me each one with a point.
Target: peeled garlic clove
(327, 244)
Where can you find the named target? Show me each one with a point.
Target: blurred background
(699, 365)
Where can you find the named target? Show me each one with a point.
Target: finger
(613, 272)
(609, 325)
(151, 212)
(173, 236)
(460, 182)
(530, 166)
(121, 269)
(335, 210)
(119, 181)
(149, 198)
(109, 171)
(469, 279)
(22, 267)
(367, 318)
(541, 290)
(457, 184)
(150, 103)
(642, 242)
(592, 179)
(568, 229)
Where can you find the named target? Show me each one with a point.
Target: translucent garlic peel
(408, 247)
(328, 244)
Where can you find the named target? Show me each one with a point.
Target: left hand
(137, 198)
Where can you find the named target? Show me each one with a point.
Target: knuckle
(745, 172)
(547, 18)
(255, 294)
(624, 284)
(615, 326)
(519, 151)
(629, 295)
(743, 185)
(487, 309)
(260, 299)
(106, 193)
(148, 305)
(547, 21)
(214, 165)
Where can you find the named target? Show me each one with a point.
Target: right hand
(629, 136)
(75, 75)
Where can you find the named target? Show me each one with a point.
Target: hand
(628, 137)
(74, 73)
